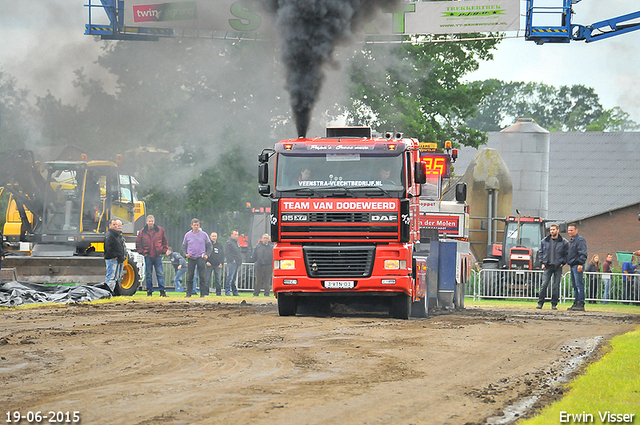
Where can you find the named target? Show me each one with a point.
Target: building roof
(590, 173)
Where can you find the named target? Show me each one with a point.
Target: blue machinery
(552, 24)
(115, 29)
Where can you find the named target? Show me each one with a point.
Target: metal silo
(524, 147)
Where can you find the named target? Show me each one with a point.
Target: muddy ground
(203, 362)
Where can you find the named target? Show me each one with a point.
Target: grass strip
(608, 387)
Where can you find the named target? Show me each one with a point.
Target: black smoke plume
(310, 31)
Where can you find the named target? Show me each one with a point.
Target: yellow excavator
(57, 216)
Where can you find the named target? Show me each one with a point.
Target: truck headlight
(284, 264)
(395, 264)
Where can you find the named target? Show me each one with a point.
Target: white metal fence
(501, 284)
(244, 279)
(491, 283)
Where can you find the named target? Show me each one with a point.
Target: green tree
(575, 108)
(15, 113)
(417, 88)
(613, 120)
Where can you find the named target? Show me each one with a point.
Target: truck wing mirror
(264, 190)
(461, 192)
(265, 155)
(263, 173)
(420, 172)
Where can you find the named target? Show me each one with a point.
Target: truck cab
(344, 218)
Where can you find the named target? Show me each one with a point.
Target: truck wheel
(401, 306)
(130, 279)
(420, 308)
(287, 305)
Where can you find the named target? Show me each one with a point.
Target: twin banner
(426, 17)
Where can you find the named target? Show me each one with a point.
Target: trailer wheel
(287, 305)
(130, 281)
(400, 306)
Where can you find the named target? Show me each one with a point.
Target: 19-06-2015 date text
(51, 417)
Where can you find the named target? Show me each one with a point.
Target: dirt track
(203, 362)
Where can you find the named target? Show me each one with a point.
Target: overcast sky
(42, 43)
(611, 66)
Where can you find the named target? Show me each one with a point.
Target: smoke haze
(310, 31)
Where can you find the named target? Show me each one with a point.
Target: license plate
(339, 284)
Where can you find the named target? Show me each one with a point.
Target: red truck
(344, 218)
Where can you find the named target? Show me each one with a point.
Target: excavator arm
(20, 176)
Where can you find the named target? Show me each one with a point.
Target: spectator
(196, 247)
(214, 263)
(576, 258)
(553, 255)
(606, 277)
(113, 253)
(234, 261)
(628, 268)
(152, 243)
(593, 267)
(263, 257)
(179, 265)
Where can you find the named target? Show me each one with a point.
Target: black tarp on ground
(18, 293)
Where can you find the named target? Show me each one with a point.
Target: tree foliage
(418, 89)
(15, 113)
(575, 108)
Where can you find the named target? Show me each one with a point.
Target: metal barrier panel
(244, 280)
(521, 284)
(246, 277)
(621, 287)
(516, 284)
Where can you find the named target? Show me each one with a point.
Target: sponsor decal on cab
(346, 205)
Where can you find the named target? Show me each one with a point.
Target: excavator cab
(62, 208)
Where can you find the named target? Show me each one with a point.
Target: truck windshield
(346, 171)
(530, 236)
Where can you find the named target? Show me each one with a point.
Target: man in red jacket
(152, 243)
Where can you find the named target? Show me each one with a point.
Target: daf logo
(384, 217)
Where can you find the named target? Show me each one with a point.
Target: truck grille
(338, 261)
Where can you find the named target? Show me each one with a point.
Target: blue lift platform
(550, 21)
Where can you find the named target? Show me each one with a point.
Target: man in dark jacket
(576, 258)
(214, 263)
(553, 255)
(234, 261)
(113, 253)
(263, 257)
(152, 243)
